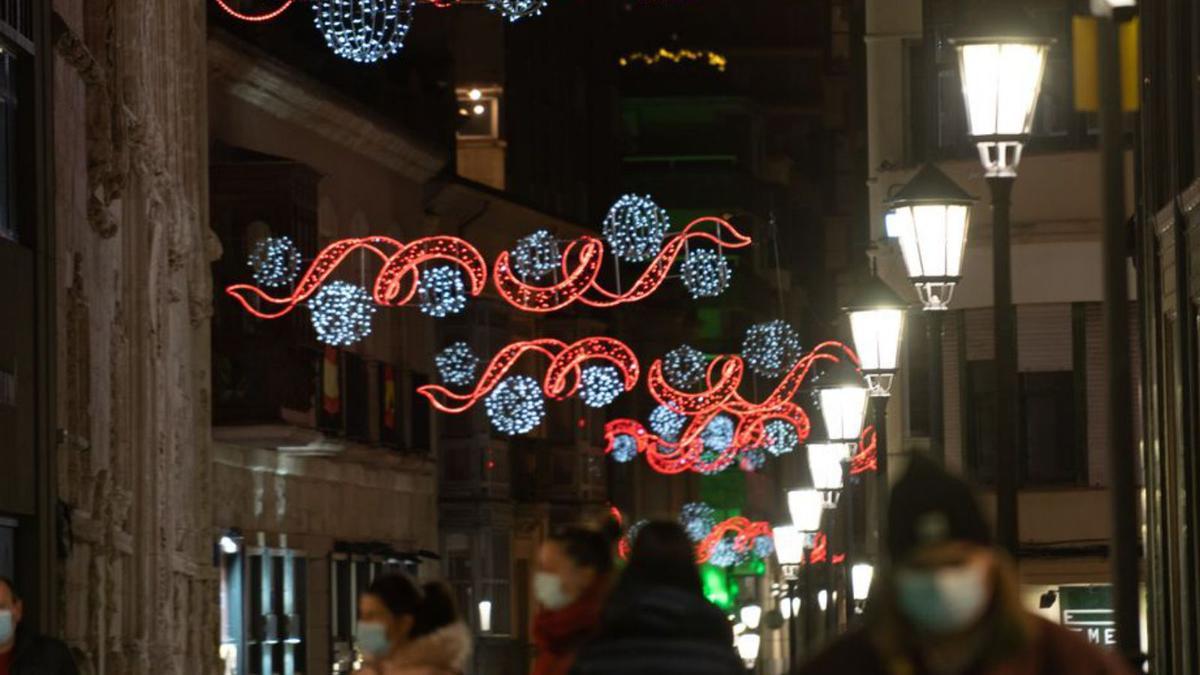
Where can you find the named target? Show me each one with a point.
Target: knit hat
(929, 506)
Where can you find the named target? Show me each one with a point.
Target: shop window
(349, 577)
(263, 612)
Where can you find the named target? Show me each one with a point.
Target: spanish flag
(331, 391)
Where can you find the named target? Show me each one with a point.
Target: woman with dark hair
(658, 620)
(571, 584)
(408, 629)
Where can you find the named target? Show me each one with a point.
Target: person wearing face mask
(571, 585)
(948, 602)
(408, 629)
(22, 651)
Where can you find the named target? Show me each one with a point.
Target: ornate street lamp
(861, 576)
(877, 325)
(751, 615)
(789, 549)
(485, 616)
(806, 506)
(748, 645)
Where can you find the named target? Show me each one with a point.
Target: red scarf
(559, 634)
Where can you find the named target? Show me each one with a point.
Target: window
(8, 536)
(479, 113)
(9, 135)
(263, 612)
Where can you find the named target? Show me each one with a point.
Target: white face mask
(946, 600)
(7, 626)
(548, 589)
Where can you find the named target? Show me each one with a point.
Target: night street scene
(599, 337)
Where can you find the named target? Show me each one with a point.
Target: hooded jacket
(34, 654)
(445, 651)
(660, 629)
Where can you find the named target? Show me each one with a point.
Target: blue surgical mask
(372, 639)
(946, 600)
(7, 626)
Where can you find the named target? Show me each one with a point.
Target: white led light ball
(341, 313)
(634, 228)
(666, 423)
(771, 348)
(516, 405)
(364, 31)
(706, 273)
(275, 262)
(684, 367)
(535, 255)
(600, 385)
(442, 291)
(457, 364)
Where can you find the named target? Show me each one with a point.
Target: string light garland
(684, 367)
(536, 255)
(255, 18)
(442, 291)
(600, 385)
(583, 258)
(713, 59)
(635, 226)
(457, 364)
(274, 262)
(781, 437)
(516, 405)
(771, 348)
(515, 10)
(667, 423)
(364, 31)
(341, 313)
(624, 449)
(705, 273)
(697, 519)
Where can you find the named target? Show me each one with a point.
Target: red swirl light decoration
(581, 263)
(396, 283)
(744, 530)
(562, 376)
(820, 551)
(867, 457)
(255, 18)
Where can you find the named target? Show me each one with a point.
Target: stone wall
(137, 592)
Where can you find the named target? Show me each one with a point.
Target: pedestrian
(948, 603)
(22, 650)
(571, 585)
(409, 629)
(657, 619)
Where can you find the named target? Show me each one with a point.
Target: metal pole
(1122, 460)
(806, 602)
(937, 424)
(881, 461)
(793, 625)
(848, 534)
(1007, 466)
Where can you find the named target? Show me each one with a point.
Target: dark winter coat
(1052, 650)
(661, 630)
(35, 654)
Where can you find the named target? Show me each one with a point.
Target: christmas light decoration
(724, 553)
(718, 435)
(633, 532)
(771, 348)
(457, 364)
(583, 258)
(684, 367)
(635, 226)
(341, 313)
(764, 547)
(274, 262)
(866, 458)
(364, 31)
(536, 255)
(395, 285)
(698, 519)
(624, 449)
(717, 61)
(781, 437)
(255, 18)
(667, 423)
(515, 10)
(752, 460)
(600, 385)
(516, 405)
(732, 541)
(705, 273)
(442, 291)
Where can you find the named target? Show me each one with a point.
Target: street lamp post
(789, 550)
(1001, 70)
(806, 506)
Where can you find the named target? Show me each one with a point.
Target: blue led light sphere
(666, 423)
(535, 255)
(364, 31)
(718, 433)
(634, 228)
(781, 437)
(275, 262)
(600, 385)
(684, 367)
(624, 449)
(706, 273)
(442, 291)
(752, 460)
(516, 405)
(697, 519)
(771, 348)
(515, 10)
(457, 364)
(764, 547)
(341, 313)
(725, 553)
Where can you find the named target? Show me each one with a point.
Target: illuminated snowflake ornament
(515, 10)
(771, 348)
(536, 255)
(697, 519)
(364, 31)
(600, 385)
(684, 367)
(752, 460)
(634, 228)
(781, 437)
(725, 553)
(718, 434)
(341, 313)
(442, 291)
(516, 405)
(764, 547)
(705, 273)
(624, 449)
(457, 364)
(275, 262)
(666, 423)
